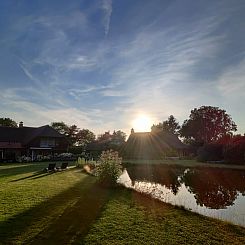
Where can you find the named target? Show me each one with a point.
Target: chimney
(21, 125)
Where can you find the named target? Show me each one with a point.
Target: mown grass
(46, 208)
(132, 218)
(70, 208)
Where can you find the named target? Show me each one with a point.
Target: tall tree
(104, 137)
(8, 122)
(84, 137)
(69, 131)
(207, 124)
(72, 134)
(118, 137)
(170, 125)
(61, 127)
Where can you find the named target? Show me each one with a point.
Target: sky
(100, 64)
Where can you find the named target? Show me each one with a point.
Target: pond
(210, 191)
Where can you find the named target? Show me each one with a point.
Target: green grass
(70, 208)
(132, 218)
(185, 163)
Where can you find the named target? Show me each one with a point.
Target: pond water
(214, 192)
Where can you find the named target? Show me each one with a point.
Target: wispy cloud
(107, 9)
(157, 64)
(232, 80)
(160, 65)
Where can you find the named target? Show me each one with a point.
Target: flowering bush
(65, 155)
(109, 168)
(24, 159)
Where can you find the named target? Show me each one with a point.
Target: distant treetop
(8, 122)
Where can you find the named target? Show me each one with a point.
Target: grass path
(70, 208)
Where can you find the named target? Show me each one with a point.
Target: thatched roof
(24, 135)
(151, 145)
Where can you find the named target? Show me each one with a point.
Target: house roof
(24, 135)
(151, 145)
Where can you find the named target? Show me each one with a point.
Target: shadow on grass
(36, 175)
(22, 169)
(46, 224)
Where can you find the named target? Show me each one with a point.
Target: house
(153, 145)
(30, 141)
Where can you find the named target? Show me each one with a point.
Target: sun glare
(142, 124)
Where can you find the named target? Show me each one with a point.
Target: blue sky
(99, 64)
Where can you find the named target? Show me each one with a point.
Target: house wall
(57, 144)
(9, 154)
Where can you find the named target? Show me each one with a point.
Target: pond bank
(132, 218)
(184, 163)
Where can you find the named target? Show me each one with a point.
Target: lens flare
(142, 123)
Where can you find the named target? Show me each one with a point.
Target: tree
(72, 134)
(118, 137)
(84, 137)
(104, 137)
(170, 125)
(69, 131)
(207, 124)
(7, 122)
(61, 127)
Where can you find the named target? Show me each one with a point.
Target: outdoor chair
(51, 167)
(63, 166)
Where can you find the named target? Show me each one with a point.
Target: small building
(153, 145)
(30, 141)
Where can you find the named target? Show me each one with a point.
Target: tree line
(209, 131)
(206, 124)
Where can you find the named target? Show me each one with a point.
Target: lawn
(70, 208)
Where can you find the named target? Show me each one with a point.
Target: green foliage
(170, 125)
(234, 150)
(109, 168)
(61, 127)
(117, 138)
(8, 122)
(75, 136)
(84, 137)
(207, 124)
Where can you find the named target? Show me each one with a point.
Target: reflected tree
(215, 188)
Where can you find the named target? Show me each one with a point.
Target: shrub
(210, 152)
(234, 152)
(109, 168)
(24, 159)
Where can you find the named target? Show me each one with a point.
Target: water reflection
(213, 192)
(213, 187)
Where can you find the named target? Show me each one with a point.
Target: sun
(142, 123)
